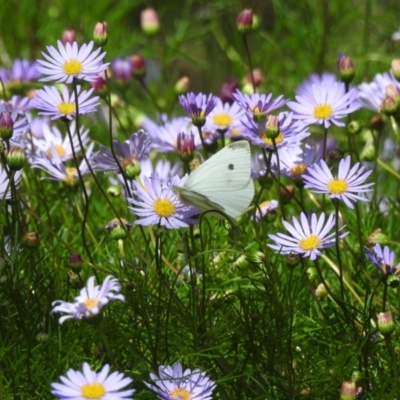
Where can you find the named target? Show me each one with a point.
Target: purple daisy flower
(324, 102)
(383, 259)
(258, 105)
(157, 204)
(345, 186)
(121, 69)
(22, 71)
(198, 106)
(291, 132)
(176, 383)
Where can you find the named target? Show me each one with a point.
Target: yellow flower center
(337, 186)
(298, 170)
(222, 119)
(257, 113)
(93, 390)
(59, 149)
(235, 131)
(278, 139)
(310, 243)
(70, 176)
(164, 207)
(91, 303)
(66, 108)
(180, 394)
(323, 111)
(72, 67)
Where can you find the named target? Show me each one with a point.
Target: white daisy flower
(51, 104)
(88, 384)
(307, 237)
(70, 62)
(346, 186)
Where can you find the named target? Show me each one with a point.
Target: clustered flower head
(90, 300)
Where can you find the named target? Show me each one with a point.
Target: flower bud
(182, 86)
(185, 146)
(321, 291)
(346, 68)
(114, 191)
(99, 85)
(272, 127)
(396, 69)
(15, 158)
(75, 262)
(6, 125)
(74, 280)
(256, 257)
(121, 69)
(258, 77)
(42, 337)
(227, 90)
(377, 123)
(242, 262)
(385, 323)
(388, 106)
(348, 391)
(132, 170)
(312, 273)
(292, 260)
(368, 153)
(138, 66)
(31, 239)
(100, 34)
(393, 281)
(117, 230)
(354, 127)
(287, 194)
(245, 21)
(68, 36)
(149, 21)
(378, 237)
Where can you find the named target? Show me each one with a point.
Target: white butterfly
(222, 183)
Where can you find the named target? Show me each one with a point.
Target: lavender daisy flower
(57, 170)
(89, 384)
(22, 71)
(163, 169)
(383, 260)
(294, 161)
(156, 204)
(373, 93)
(5, 184)
(325, 103)
(305, 88)
(165, 136)
(51, 104)
(90, 300)
(121, 69)
(70, 62)
(265, 208)
(129, 154)
(307, 237)
(291, 132)
(17, 104)
(174, 383)
(258, 105)
(197, 106)
(344, 186)
(224, 117)
(52, 139)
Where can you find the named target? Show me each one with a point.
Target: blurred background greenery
(199, 38)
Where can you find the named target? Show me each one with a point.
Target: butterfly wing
(223, 182)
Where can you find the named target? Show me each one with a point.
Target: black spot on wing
(231, 167)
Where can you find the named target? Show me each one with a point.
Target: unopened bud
(185, 146)
(117, 230)
(68, 36)
(138, 66)
(368, 153)
(100, 34)
(227, 90)
(346, 68)
(348, 391)
(393, 281)
(396, 68)
(15, 158)
(287, 194)
(321, 291)
(99, 85)
(6, 125)
(378, 237)
(149, 21)
(292, 260)
(114, 191)
(132, 170)
(258, 77)
(182, 86)
(377, 123)
(31, 239)
(245, 21)
(388, 106)
(75, 262)
(272, 127)
(121, 69)
(354, 128)
(385, 323)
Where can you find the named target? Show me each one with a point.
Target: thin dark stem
(246, 48)
(337, 238)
